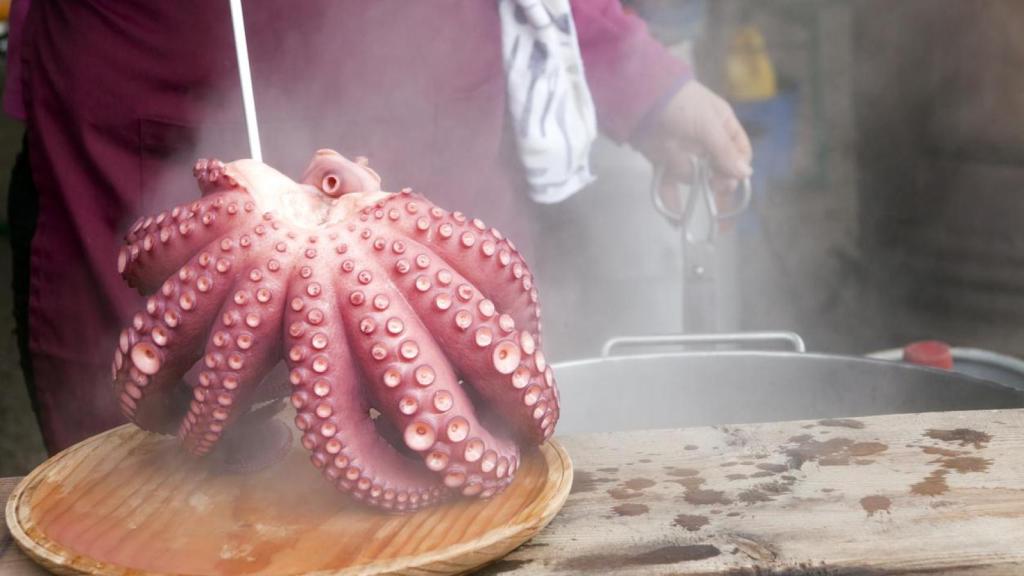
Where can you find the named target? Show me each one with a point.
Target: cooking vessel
(697, 388)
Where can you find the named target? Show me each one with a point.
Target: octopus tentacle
(483, 255)
(333, 410)
(212, 175)
(503, 364)
(155, 247)
(416, 388)
(165, 340)
(243, 346)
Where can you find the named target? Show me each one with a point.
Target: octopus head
(334, 175)
(332, 188)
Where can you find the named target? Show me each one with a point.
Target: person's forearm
(630, 74)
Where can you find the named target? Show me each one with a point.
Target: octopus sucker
(236, 358)
(489, 346)
(406, 380)
(163, 343)
(158, 249)
(333, 408)
(412, 335)
(487, 260)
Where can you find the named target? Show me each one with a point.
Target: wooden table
(911, 494)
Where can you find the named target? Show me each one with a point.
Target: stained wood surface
(910, 494)
(129, 502)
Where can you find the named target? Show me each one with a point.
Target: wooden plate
(130, 502)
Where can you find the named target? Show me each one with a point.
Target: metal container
(672, 390)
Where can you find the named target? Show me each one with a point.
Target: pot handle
(738, 338)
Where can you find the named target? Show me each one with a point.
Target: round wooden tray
(130, 502)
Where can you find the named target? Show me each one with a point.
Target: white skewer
(245, 75)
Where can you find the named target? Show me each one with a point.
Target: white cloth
(552, 111)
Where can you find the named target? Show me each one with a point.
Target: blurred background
(889, 155)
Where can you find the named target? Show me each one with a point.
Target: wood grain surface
(939, 493)
(128, 502)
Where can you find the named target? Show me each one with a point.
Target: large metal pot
(671, 390)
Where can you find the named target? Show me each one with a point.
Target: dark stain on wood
(754, 496)
(861, 449)
(933, 485)
(828, 490)
(811, 450)
(800, 438)
(701, 497)
(639, 483)
(774, 487)
(673, 554)
(733, 514)
(690, 522)
(831, 452)
(729, 464)
(762, 474)
(936, 451)
(963, 436)
(774, 468)
(682, 472)
(842, 423)
(690, 447)
(965, 464)
(875, 504)
(631, 509)
(586, 481)
(582, 481)
(690, 483)
(623, 493)
(502, 567)
(735, 476)
(608, 470)
(644, 460)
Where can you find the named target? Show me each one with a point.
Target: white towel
(552, 111)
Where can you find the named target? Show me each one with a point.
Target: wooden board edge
(38, 552)
(496, 544)
(490, 548)
(484, 550)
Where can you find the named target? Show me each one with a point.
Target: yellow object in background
(5, 10)
(750, 74)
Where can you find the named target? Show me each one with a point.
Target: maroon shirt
(123, 95)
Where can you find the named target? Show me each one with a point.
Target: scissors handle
(701, 187)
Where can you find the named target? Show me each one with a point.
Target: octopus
(411, 335)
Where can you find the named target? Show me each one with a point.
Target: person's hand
(698, 121)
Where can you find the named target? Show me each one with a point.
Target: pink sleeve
(630, 74)
(14, 103)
